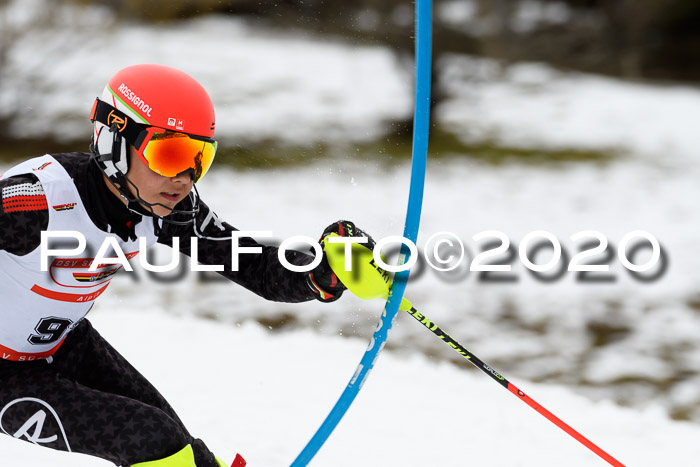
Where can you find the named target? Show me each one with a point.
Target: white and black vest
(38, 308)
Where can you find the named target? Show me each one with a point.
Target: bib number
(49, 330)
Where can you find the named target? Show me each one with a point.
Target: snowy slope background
(634, 342)
(411, 411)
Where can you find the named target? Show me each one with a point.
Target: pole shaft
(477, 362)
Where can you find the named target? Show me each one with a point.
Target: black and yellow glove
(361, 274)
(322, 281)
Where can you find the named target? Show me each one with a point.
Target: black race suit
(98, 404)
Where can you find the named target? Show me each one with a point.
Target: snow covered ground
(534, 105)
(264, 395)
(263, 84)
(300, 88)
(637, 342)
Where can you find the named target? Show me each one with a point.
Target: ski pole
(366, 280)
(477, 362)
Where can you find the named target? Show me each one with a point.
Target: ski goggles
(170, 153)
(166, 152)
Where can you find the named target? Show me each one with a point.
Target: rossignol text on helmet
(165, 115)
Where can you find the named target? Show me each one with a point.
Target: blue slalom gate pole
(421, 123)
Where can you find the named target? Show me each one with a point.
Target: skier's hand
(323, 282)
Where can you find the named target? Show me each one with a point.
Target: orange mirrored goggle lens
(170, 153)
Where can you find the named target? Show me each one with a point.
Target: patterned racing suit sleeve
(23, 214)
(260, 273)
(101, 403)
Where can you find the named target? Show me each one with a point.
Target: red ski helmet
(164, 113)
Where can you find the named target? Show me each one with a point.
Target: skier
(62, 385)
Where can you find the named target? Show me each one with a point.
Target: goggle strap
(94, 109)
(118, 122)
